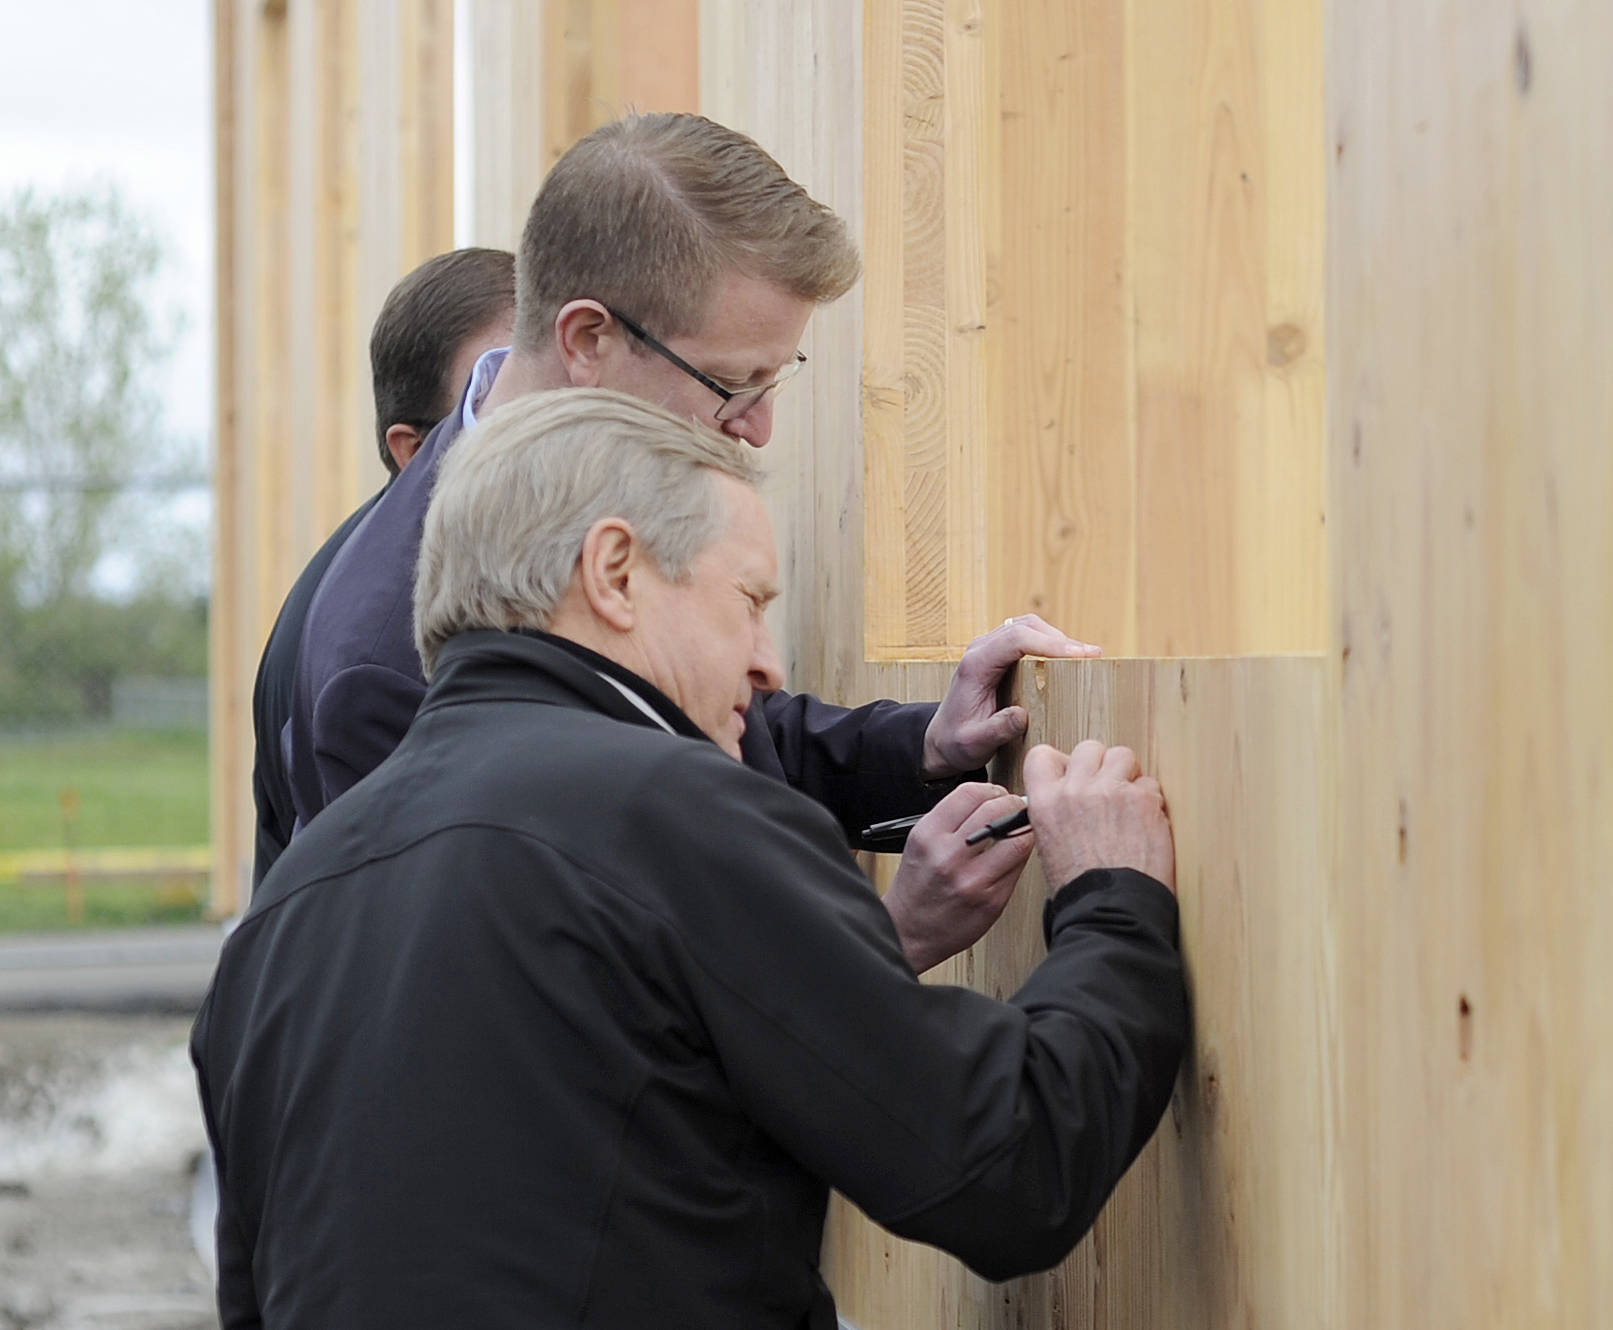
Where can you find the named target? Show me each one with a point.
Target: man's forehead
(749, 533)
(752, 322)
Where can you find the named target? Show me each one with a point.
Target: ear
(585, 339)
(403, 442)
(611, 554)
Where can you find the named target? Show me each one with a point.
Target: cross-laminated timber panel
(334, 176)
(1470, 220)
(1093, 350)
(1406, 1122)
(545, 72)
(1229, 1217)
(1446, 1161)
(335, 141)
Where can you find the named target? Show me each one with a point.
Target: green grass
(107, 788)
(132, 788)
(35, 908)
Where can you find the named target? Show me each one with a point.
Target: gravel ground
(101, 1145)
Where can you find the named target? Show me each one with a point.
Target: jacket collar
(526, 664)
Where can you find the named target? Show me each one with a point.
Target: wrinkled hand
(947, 894)
(967, 727)
(1095, 809)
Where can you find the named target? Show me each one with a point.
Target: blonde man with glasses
(670, 258)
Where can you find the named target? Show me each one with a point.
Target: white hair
(516, 495)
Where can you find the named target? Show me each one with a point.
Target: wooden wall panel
(226, 700)
(791, 77)
(507, 96)
(1393, 855)
(335, 176)
(1064, 536)
(545, 72)
(1230, 1216)
(1108, 389)
(252, 496)
(1470, 164)
(1227, 133)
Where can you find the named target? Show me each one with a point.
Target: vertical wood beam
(508, 92)
(396, 124)
(548, 71)
(1108, 388)
(225, 609)
(335, 175)
(1226, 111)
(1229, 1216)
(1470, 160)
(767, 70)
(1063, 536)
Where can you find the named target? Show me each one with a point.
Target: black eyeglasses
(735, 402)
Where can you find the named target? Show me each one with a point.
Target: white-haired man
(669, 257)
(565, 1017)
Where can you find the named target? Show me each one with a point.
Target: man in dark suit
(670, 257)
(565, 1017)
(433, 326)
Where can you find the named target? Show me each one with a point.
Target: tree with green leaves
(79, 411)
(83, 340)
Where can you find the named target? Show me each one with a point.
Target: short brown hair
(421, 326)
(646, 214)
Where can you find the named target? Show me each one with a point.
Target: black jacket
(271, 703)
(358, 683)
(561, 1020)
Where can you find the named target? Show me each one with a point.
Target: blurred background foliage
(103, 591)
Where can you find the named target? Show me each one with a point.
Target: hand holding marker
(889, 837)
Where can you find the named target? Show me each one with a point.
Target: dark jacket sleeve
(272, 698)
(861, 763)
(237, 1291)
(271, 800)
(993, 1129)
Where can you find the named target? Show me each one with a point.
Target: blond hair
(516, 495)
(646, 214)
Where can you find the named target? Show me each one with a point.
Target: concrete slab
(163, 969)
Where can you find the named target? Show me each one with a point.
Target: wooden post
(335, 176)
(1094, 352)
(1470, 192)
(544, 73)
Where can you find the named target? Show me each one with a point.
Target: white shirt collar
(481, 379)
(636, 700)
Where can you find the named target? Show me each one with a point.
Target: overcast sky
(121, 90)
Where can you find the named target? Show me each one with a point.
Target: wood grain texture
(1227, 1219)
(335, 176)
(1063, 535)
(607, 57)
(545, 72)
(765, 71)
(658, 55)
(1112, 405)
(884, 391)
(251, 493)
(225, 610)
(1471, 371)
(508, 88)
(1224, 97)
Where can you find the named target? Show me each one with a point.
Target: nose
(755, 426)
(766, 670)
